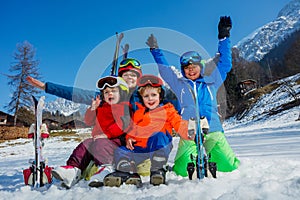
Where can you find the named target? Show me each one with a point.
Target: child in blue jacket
(205, 88)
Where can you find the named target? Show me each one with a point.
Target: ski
(37, 167)
(116, 55)
(201, 157)
(203, 166)
(38, 174)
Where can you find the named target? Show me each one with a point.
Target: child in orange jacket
(150, 136)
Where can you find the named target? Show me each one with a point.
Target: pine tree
(23, 66)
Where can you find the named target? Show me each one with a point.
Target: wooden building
(8, 120)
(246, 86)
(74, 124)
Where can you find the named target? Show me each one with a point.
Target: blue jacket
(205, 88)
(81, 96)
(76, 95)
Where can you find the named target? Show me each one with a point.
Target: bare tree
(23, 66)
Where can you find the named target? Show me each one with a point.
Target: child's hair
(141, 90)
(160, 90)
(150, 81)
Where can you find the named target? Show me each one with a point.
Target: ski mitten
(224, 27)
(152, 42)
(204, 125)
(192, 128)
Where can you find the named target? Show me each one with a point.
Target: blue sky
(65, 32)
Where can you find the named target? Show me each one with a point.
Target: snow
(269, 151)
(267, 145)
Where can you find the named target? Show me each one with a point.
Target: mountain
(267, 42)
(64, 107)
(259, 43)
(274, 98)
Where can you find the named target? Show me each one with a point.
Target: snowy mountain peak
(64, 106)
(255, 46)
(289, 9)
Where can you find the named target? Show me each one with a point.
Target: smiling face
(130, 78)
(151, 97)
(111, 95)
(192, 71)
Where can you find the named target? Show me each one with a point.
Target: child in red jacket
(110, 116)
(150, 136)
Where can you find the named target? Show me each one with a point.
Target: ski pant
(158, 148)
(216, 146)
(220, 152)
(101, 151)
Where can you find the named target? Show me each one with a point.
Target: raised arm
(179, 86)
(224, 48)
(166, 72)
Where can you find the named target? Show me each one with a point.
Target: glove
(152, 42)
(224, 27)
(95, 103)
(204, 125)
(192, 128)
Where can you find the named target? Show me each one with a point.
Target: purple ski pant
(101, 151)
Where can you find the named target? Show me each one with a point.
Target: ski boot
(126, 172)
(46, 174)
(158, 177)
(191, 171)
(211, 171)
(69, 175)
(210, 168)
(98, 178)
(117, 178)
(158, 170)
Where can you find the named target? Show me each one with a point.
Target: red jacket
(109, 119)
(161, 119)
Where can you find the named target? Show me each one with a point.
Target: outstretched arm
(74, 94)
(36, 83)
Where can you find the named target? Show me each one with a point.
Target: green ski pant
(216, 147)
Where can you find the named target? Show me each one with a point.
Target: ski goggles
(154, 81)
(130, 61)
(191, 57)
(110, 81)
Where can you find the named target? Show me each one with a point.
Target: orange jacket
(161, 119)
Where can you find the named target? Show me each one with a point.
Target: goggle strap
(102, 85)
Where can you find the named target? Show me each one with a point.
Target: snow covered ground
(269, 151)
(267, 145)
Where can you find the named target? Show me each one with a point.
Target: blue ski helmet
(191, 57)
